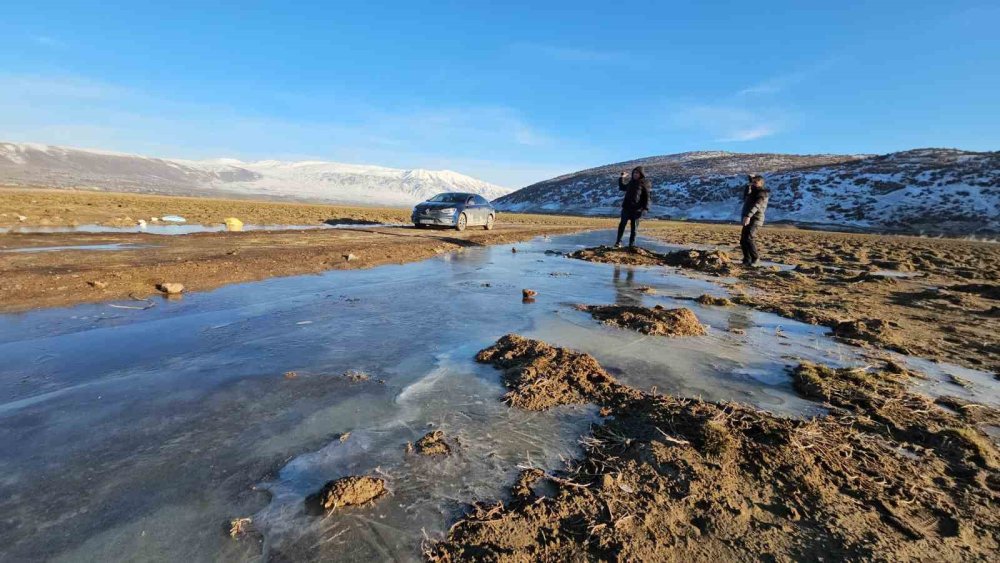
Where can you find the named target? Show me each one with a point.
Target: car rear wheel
(419, 225)
(463, 222)
(489, 222)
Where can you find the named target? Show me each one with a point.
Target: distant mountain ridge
(944, 191)
(31, 164)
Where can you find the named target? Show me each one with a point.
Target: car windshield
(449, 198)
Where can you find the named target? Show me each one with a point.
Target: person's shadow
(625, 293)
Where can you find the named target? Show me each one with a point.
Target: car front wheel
(463, 222)
(489, 222)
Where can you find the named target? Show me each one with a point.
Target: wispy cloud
(782, 82)
(46, 41)
(500, 140)
(729, 123)
(572, 54)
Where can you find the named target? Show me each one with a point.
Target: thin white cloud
(573, 54)
(46, 41)
(80, 112)
(729, 123)
(750, 134)
(782, 82)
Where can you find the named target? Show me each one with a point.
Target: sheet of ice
(186, 229)
(138, 434)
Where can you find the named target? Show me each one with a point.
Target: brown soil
(78, 207)
(206, 261)
(656, 321)
(947, 311)
(346, 491)
(711, 300)
(540, 376)
(887, 475)
(433, 443)
(706, 261)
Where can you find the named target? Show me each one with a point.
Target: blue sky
(512, 93)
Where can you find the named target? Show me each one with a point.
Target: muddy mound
(346, 491)
(433, 443)
(540, 376)
(687, 480)
(875, 331)
(636, 256)
(704, 260)
(714, 301)
(657, 321)
(884, 407)
(715, 261)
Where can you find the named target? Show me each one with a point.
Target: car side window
(470, 201)
(481, 200)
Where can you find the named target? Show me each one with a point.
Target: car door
(484, 206)
(473, 211)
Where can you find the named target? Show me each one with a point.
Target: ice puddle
(160, 424)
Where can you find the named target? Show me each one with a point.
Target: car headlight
(448, 211)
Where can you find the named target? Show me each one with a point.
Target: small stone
(22, 218)
(528, 293)
(291, 375)
(350, 257)
(171, 288)
(97, 284)
(513, 250)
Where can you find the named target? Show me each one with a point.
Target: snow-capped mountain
(917, 191)
(28, 164)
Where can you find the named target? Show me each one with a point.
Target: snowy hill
(50, 166)
(918, 191)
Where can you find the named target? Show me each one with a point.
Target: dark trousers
(748, 242)
(626, 217)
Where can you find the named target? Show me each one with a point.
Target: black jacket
(636, 200)
(755, 205)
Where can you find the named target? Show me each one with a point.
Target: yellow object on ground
(234, 224)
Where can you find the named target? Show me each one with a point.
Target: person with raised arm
(634, 204)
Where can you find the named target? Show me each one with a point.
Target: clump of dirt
(657, 321)
(239, 527)
(525, 480)
(356, 375)
(706, 299)
(714, 261)
(540, 376)
(433, 444)
(346, 491)
(703, 260)
(875, 331)
(636, 256)
(677, 479)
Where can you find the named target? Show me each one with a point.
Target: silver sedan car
(458, 210)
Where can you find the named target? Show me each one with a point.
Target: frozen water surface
(184, 228)
(138, 434)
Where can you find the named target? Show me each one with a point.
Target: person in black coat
(755, 198)
(634, 204)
